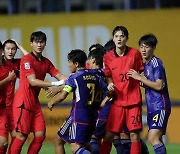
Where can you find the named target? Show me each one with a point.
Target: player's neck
(79, 68)
(38, 55)
(121, 51)
(149, 58)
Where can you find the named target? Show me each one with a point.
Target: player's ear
(76, 64)
(93, 60)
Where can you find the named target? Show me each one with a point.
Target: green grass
(49, 149)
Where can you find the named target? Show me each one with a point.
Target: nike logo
(114, 68)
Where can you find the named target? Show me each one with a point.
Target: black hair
(121, 28)
(79, 56)
(37, 36)
(9, 41)
(96, 46)
(1, 46)
(109, 46)
(97, 54)
(148, 39)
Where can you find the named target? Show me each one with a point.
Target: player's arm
(104, 101)
(60, 97)
(156, 85)
(111, 85)
(7, 79)
(51, 92)
(60, 76)
(40, 83)
(20, 47)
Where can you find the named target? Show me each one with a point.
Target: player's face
(146, 51)
(120, 39)
(9, 51)
(38, 46)
(72, 66)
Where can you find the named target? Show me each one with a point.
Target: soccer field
(49, 149)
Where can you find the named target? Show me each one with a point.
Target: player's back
(87, 95)
(156, 100)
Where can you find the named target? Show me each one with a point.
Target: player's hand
(111, 86)
(134, 74)
(18, 45)
(11, 75)
(51, 92)
(50, 105)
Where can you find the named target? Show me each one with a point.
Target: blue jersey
(156, 100)
(87, 90)
(103, 112)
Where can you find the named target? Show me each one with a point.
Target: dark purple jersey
(103, 112)
(156, 100)
(87, 88)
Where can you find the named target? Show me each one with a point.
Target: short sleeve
(51, 69)
(107, 70)
(27, 66)
(139, 60)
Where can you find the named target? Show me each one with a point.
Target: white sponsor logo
(154, 124)
(26, 66)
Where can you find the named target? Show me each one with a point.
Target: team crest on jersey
(26, 66)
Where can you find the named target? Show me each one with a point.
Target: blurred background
(52, 6)
(71, 24)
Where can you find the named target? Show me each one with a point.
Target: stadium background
(66, 31)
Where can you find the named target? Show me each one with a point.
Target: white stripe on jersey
(155, 62)
(73, 131)
(161, 120)
(66, 125)
(77, 91)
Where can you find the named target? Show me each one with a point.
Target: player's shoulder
(156, 62)
(109, 53)
(132, 50)
(29, 55)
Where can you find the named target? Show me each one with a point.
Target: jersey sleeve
(139, 60)
(27, 66)
(158, 71)
(70, 82)
(107, 70)
(52, 70)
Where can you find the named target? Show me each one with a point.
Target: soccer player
(156, 92)
(92, 48)
(110, 45)
(126, 107)
(27, 112)
(8, 61)
(85, 87)
(5, 77)
(96, 65)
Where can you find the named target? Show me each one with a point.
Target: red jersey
(127, 90)
(3, 74)
(26, 95)
(14, 65)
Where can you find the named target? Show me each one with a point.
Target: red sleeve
(51, 69)
(107, 70)
(27, 66)
(139, 60)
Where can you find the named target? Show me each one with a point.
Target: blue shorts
(80, 133)
(158, 120)
(65, 130)
(100, 128)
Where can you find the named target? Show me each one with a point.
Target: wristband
(58, 83)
